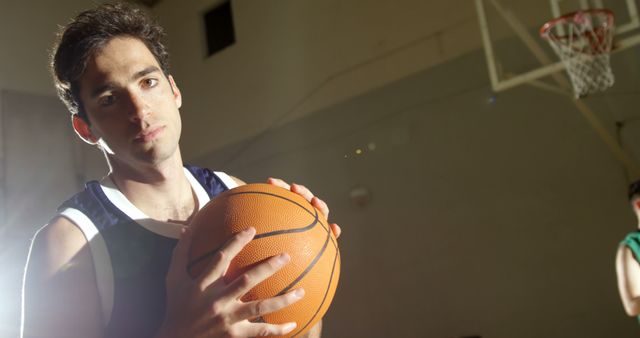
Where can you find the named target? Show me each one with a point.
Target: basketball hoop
(583, 41)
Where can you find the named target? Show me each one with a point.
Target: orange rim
(546, 28)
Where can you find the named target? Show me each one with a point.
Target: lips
(149, 134)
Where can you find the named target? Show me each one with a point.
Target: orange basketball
(284, 222)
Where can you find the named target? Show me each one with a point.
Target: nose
(139, 108)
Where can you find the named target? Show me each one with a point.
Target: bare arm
(60, 296)
(628, 272)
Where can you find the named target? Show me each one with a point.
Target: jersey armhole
(229, 182)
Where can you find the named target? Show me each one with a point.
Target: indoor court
(478, 194)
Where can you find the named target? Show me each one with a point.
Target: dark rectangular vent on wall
(219, 28)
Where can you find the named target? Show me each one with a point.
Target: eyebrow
(145, 71)
(107, 86)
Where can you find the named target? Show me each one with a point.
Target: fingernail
(248, 230)
(283, 259)
(289, 327)
(299, 293)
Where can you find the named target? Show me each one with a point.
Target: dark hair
(79, 40)
(634, 189)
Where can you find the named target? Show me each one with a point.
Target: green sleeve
(633, 242)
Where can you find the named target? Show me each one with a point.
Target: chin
(156, 155)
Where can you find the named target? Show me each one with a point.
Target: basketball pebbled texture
(284, 222)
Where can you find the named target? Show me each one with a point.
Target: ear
(177, 96)
(83, 130)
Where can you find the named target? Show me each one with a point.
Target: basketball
(284, 222)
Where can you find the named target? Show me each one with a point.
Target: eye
(149, 83)
(107, 100)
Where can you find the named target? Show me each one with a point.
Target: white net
(583, 41)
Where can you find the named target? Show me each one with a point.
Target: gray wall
(499, 219)
(27, 31)
(301, 56)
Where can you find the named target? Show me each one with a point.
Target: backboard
(515, 52)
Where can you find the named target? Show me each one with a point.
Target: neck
(160, 190)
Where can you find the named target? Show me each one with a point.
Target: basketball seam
(289, 231)
(287, 199)
(326, 292)
(308, 268)
(266, 234)
(273, 195)
(273, 233)
(229, 193)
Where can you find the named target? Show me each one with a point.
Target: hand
(308, 195)
(207, 306)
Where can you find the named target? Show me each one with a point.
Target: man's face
(131, 105)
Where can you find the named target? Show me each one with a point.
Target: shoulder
(633, 236)
(86, 200)
(626, 263)
(624, 253)
(630, 245)
(57, 246)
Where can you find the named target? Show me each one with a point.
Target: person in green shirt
(628, 258)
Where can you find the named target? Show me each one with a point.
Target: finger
(221, 260)
(241, 285)
(262, 307)
(278, 182)
(249, 329)
(321, 205)
(336, 229)
(302, 191)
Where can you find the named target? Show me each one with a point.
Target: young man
(109, 264)
(627, 258)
